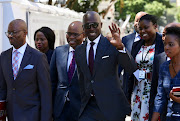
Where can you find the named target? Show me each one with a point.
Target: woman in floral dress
(143, 52)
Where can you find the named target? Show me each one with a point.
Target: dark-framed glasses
(73, 34)
(89, 25)
(12, 33)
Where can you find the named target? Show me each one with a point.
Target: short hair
(173, 31)
(150, 18)
(49, 34)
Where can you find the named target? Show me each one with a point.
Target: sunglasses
(89, 25)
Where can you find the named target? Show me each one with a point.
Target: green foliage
(83, 5)
(155, 8)
(178, 14)
(131, 7)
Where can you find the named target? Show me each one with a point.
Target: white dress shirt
(137, 37)
(70, 56)
(96, 41)
(21, 51)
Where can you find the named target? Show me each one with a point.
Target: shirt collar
(71, 49)
(137, 37)
(96, 41)
(21, 49)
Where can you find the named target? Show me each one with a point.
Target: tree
(131, 7)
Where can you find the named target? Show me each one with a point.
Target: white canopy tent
(37, 15)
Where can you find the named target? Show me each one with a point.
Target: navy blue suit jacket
(61, 87)
(104, 81)
(29, 96)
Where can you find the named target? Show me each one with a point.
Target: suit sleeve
(3, 87)
(54, 74)
(127, 62)
(161, 96)
(44, 84)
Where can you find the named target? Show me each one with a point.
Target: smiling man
(102, 98)
(24, 78)
(66, 95)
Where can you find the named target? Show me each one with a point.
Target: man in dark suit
(66, 95)
(102, 98)
(128, 43)
(24, 78)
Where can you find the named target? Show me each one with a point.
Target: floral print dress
(141, 92)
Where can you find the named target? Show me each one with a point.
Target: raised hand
(115, 40)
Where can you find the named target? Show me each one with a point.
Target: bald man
(158, 60)
(102, 98)
(24, 78)
(66, 94)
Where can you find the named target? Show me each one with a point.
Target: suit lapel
(63, 63)
(9, 64)
(83, 60)
(136, 47)
(102, 46)
(25, 60)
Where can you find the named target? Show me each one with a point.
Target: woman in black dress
(44, 41)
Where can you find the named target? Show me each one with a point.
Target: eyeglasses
(89, 25)
(73, 34)
(12, 33)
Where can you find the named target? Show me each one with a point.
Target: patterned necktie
(15, 64)
(71, 68)
(91, 57)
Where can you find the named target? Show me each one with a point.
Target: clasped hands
(115, 40)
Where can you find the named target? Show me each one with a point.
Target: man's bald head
(91, 14)
(18, 28)
(75, 34)
(92, 25)
(174, 24)
(76, 25)
(20, 23)
(137, 18)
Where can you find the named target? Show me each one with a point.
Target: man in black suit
(66, 95)
(24, 78)
(128, 43)
(102, 98)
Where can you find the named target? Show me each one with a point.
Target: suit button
(92, 81)
(14, 88)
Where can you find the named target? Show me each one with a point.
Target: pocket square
(107, 56)
(29, 67)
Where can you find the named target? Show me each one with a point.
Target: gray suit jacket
(61, 86)
(105, 81)
(158, 61)
(29, 95)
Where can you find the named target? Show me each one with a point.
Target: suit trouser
(93, 113)
(66, 114)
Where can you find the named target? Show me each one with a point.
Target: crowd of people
(80, 81)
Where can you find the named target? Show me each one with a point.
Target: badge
(142, 74)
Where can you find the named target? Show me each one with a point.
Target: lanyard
(143, 60)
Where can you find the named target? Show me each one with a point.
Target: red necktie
(91, 57)
(71, 68)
